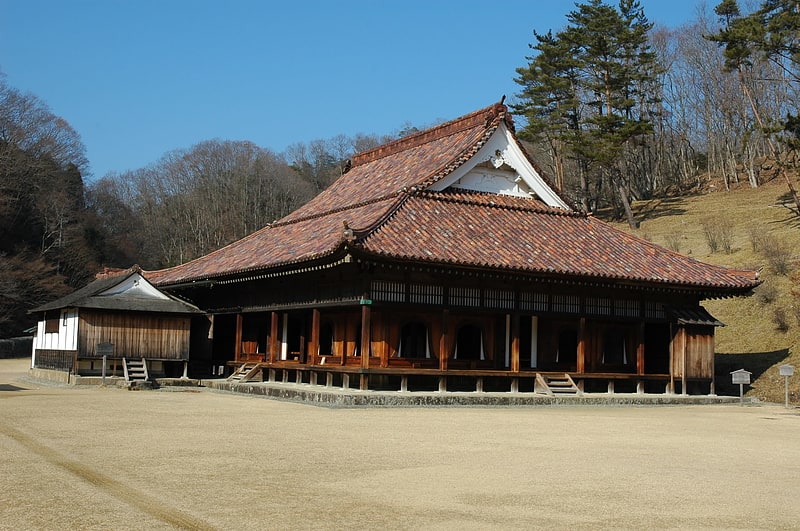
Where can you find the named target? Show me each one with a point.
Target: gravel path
(102, 458)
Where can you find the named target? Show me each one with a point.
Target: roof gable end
(501, 166)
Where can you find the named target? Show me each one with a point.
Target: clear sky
(139, 78)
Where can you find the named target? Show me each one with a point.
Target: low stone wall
(50, 375)
(333, 397)
(16, 347)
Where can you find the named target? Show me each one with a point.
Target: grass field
(108, 458)
(763, 331)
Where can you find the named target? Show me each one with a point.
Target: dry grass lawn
(752, 339)
(103, 458)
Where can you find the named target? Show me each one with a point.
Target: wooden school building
(446, 260)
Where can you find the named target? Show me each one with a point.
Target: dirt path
(110, 458)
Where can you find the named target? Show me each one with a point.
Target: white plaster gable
(501, 167)
(135, 286)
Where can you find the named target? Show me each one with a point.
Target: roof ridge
(445, 196)
(322, 214)
(482, 116)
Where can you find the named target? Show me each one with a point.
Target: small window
(51, 323)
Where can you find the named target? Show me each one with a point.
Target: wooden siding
(134, 335)
(695, 345)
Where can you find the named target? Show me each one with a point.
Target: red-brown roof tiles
(416, 160)
(382, 199)
(279, 244)
(503, 232)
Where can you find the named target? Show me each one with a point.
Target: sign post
(741, 377)
(105, 350)
(786, 371)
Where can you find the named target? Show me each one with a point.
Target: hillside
(763, 331)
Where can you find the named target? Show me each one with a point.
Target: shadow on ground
(755, 362)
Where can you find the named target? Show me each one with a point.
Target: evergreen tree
(590, 88)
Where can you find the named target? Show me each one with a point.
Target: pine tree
(590, 88)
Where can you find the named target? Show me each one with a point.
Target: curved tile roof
(415, 160)
(504, 232)
(280, 244)
(382, 199)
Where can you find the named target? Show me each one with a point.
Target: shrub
(766, 293)
(674, 242)
(756, 235)
(777, 253)
(718, 233)
(780, 319)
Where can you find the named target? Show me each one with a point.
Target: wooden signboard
(741, 377)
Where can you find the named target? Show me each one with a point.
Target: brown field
(107, 458)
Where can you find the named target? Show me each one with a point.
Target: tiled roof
(90, 296)
(414, 161)
(382, 200)
(511, 233)
(280, 244)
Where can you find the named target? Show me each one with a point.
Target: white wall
(65, 339)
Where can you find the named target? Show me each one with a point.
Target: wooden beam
(237, 348)
(313, 345)
(274, 343)
(515, 343)
(640, 349)
(365, 335)
(580, 364)
(444, 344)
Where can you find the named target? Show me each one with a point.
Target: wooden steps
(556, 385)
(135, 370)
(246, 372)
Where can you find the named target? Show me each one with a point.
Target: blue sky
(140, 78)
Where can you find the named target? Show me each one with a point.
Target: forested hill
(57, 231)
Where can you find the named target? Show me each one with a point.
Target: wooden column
(580, 365)
(444, 345)
(237, 348)
(640, 350)
(365, 335)
(313, 344)
(274, 342)
(515, 343)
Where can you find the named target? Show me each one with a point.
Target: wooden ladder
(245, 372)
(135, 370)
(556, 384)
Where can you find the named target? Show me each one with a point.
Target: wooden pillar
(444, 344)
(640, 350)
(580, 365)
(534, 342)
(365, 335)
(683, 363)
(237, 348)
(273, 337)
(515, 343)
(313, 344)
(672, 344)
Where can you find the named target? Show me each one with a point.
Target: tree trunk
(623, 195)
